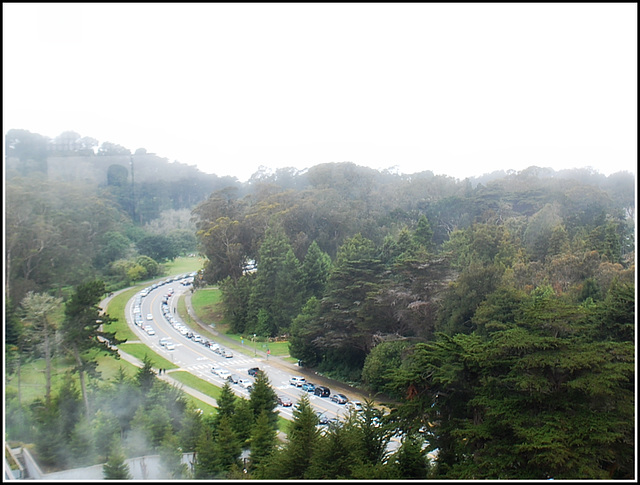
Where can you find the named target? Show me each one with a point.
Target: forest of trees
(498, 312)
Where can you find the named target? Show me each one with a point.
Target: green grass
(115, 309)
(198, 404)
(183, 264)
(206, 304)
(141, 350)
(198, 384)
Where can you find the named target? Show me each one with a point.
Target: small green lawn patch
(206, 304)
(183, 264)
(140, 351)
(196, 383)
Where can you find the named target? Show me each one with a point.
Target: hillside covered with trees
(498, 311)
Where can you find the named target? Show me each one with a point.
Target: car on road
(170, 345)
(233, 379)
(308, 386)
(149, 329)
(285, 401)
(245, 383)
(297, 381)
(322, 418)
(253, 372)
(224, 374)
(322, 391)
(354, 405)
(149, 316)
(227, 354)
(163, 341)
(339, 398)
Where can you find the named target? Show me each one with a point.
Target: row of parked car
(186, 331)
(324, 391)
(232, 378)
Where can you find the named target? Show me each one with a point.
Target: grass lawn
(141, 350)
(183, 264)
(206, 304)
(196, 383)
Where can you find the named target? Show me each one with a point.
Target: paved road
(281, 368)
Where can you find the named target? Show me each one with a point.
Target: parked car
(246, 383)
(233, 379)
(354, 405)
(308, 386)
(339, 398)
(322, 391)
(285, 401)
(224, 373)
(322, 418)
(149, 329)
(170, 345)
(253, 372)
(228, 354)
(297, 381)
(163, 341)
(215, 369)
(149, 316)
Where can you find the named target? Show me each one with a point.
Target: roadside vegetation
(498, 311)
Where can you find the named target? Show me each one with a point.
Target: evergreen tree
(409, 462)
(171, 458)
(290, 292)
(301, 344)
(226, 447)
(264, 398)
(82, 331)
(145, 375)
(423, 234)
(332, 457)
(264, 294)
(226, 404)
(315, 271)
(302, 438)
(116, 467)
(263, 442)
(243, 420)
(206, 456)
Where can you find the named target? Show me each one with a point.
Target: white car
(355, 405)
(246, 383)
(297, 381)
(149, 316)
(224, 374)
(149, 329)
(163, 341)
(170, 345)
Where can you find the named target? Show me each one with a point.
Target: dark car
(284, 401)
(308, 386)
(322, 391)
(233, 379)
(253, 372)
(322, 418)
(339, 398)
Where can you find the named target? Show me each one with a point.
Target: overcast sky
(458, 89)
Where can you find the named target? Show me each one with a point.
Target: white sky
(458, 89)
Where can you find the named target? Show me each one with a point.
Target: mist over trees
(496, 312)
